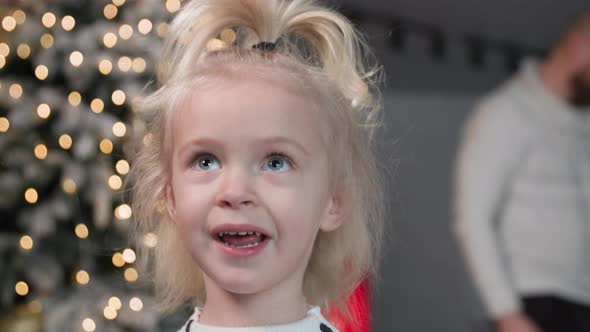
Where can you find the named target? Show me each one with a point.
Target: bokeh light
(122, 167)
(65, 141)
(144, 26)
(26, 242)
(40, 151)
(81, 231)
(68, 23)
(69, 186)
(97, 105)
(48, 20)
(88, 325)
(21, 288)
(43, 111)
(82, 277)
(31, 195)
(106, 146)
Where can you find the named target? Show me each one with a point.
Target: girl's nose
(236, 190)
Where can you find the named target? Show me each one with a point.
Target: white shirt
(522, 203)
(313, 322)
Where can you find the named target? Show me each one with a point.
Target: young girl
(260, 182)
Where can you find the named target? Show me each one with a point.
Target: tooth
(232, 233)
(257, 234)
(250, 233)
(242, 233)
(220, 234)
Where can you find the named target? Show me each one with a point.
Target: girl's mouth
(242, 239)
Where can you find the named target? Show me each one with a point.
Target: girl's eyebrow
(211, 142)
(284, 140)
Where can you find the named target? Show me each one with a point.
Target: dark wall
(423, 285)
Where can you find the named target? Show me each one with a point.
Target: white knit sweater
(313, 322)
(522, 200)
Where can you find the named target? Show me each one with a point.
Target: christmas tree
(70, 71)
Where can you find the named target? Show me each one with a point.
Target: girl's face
(249, 185)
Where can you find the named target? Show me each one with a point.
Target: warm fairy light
(109, 39)
(118, 261)
(144, 26)
(129, 256)
(115, 182)
(123, 212)
(9, 23)
(118, 3)
(82, 277)
(23, 51)
(76, 58)
(150, 240)
(115, 303)
(81, 231)
(118, 97)
(43, 110)
(131, 274)
(68, 23)
(19, 16)
(119, 129)
(172, 6)
(41, 151)
(105, 66)
(228, 36)
(124, 63)
(88, 325)
(106, 146)
(4, 49)
(139, 65)
(74, 98)
(15, 90)
(48, 20)
(31, 195)
(110, 11)
(69, 186)
(26, 242)
(65, 141)
(135, 304)
(21, 288)
(122, 167)
(46, 40)
(4, 124)
(110, 313)
(147, 139)
(97, 105)
(162, 29)
(41, 72)
(2, 61)
(125, 31)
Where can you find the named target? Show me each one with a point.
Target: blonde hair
(317, 51)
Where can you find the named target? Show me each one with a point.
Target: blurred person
(522, 199)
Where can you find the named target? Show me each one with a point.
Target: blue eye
(277, 163)
(207, 163)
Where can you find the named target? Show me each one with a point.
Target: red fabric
(359, 305)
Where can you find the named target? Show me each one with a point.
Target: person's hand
(516, 322)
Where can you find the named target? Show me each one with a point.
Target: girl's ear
(334, 215)
(170, 202)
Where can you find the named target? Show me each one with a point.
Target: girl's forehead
(246, 109)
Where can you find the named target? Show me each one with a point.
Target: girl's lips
(242, 252)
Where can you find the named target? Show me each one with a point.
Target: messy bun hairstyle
(314, 49)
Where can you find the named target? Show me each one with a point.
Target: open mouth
(242, 239)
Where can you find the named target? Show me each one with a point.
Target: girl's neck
(272, 307)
